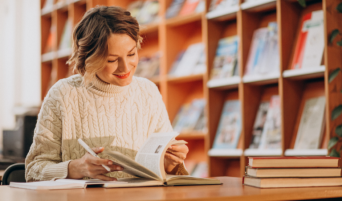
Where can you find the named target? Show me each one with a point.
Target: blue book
(229, 129)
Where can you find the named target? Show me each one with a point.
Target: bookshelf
(170, 36)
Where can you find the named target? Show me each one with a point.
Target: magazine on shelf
(222, 4)
(311, 127)
(135, 7)
(148, 67)
(229, 129)
(259, 124)
(263, 56)
(50, 39)
(226, 57)
(149, 12)
(66, 36)
(310, 44)
(174, 8)
(189, 7)
(176, 62)
(271, 135)
(190, 117)
(148, 167)
(188, 61)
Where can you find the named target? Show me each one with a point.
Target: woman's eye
(112, 61)
(131, 54)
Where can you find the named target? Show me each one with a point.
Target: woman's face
(122, 60)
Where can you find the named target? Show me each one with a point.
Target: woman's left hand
(174, 156)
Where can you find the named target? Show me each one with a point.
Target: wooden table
(231, 189)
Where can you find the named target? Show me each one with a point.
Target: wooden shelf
(306, 152)
(194, 135)
(263, 152)
(63, 6)
(181, 20)
(182, 79)
(305, 73)
(48, 57)
(64, 53)
(227, 153)
(222, 84)
(258, 79)
(46, 12)
(150, 28)
(259, 5)
(223, 14)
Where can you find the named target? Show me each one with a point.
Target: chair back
(14, 173)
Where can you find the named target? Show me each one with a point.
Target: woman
(104, 105)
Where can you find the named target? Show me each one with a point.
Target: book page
(152, 152)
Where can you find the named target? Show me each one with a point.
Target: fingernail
(110, 162)
(119, 168)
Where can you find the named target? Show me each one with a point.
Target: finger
(178, 154)
(173, 158)
(105, 178)
(112, 167)
(98, 161)
(180, 148)
(98, 149)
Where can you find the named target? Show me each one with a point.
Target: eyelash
(130, 55)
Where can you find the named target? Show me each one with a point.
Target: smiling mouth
(123, 76)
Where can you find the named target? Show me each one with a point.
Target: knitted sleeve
(44, 161)
(164, 125)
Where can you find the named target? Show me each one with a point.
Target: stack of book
(278, 172)
(148, 67)
(189, 62)
(191, 117)
(184, 7)
(146, 12)
(222, 4)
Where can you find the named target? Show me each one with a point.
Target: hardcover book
(271, 135)
(310, 45)
(66, 36)
(189, 7)
(229, 129)
(259, 124)
(174, 8)
(311, 125)
(226, 57)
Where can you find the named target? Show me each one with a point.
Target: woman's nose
(123, 65)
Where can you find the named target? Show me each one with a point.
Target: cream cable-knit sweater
(105, 115)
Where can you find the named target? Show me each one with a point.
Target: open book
(149, 164)
(148, 167)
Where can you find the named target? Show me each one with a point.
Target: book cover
(259, 124)
(66, 36)
(311, 125)
(176, 62)
(135, 7)
(193, 115)
(148, 12)
(180, 119)
(174, 8)
(225, 61)
(229, 129)
(310, 45)
(51, 38)
(271, 135)
(189, 7)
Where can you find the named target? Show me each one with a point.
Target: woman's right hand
(91, 166)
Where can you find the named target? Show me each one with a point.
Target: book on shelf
(174, 8)
(65, 42)
(190, 117)
(148, 165)
(291, 182)
(48, 6)
(259, 124)
(222, 4)
(226, 58)
(311, 127)
(187, 63)
(293, 172)
(263, 55)
(200, 170)
(145, 12)
(310, 44)
(51, 38)
(229, 129)
(271, 134)
(176, 62)
(294, 162)
(148, 67)
(189, 7)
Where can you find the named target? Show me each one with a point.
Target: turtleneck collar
(104, 88)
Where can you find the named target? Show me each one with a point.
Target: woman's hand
(91, 166)
(174, 156)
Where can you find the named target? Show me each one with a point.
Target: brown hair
(90, 36)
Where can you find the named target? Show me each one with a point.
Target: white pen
(86, 147)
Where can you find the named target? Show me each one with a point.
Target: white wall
(19, 58)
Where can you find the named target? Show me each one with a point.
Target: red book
(189, 7)
(294, 162)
